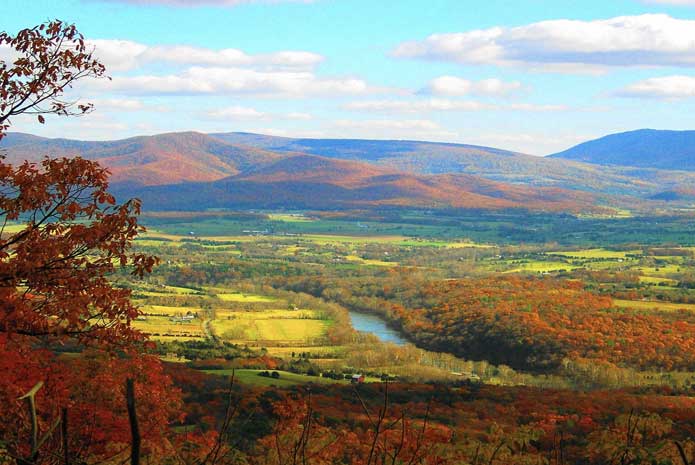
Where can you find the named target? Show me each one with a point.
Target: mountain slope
(501, 165)
(312, 182)
(645, 148)
(147, 160)
(176, 158)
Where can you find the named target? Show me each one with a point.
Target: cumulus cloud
(557, 45)
(125, 55)
(433, 105)
(213, 80)
(238, 112)
(417, 106)
(456, 86)
(665, 88)
(422, 125)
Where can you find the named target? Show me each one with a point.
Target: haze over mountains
(191, 170)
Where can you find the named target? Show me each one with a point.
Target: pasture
(286, 378)
(271, 327)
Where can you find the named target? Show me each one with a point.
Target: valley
(303, 232)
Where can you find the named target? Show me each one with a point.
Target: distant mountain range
(190, 170)
(645, 148)
(313, 182)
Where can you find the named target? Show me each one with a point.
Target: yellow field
(367, 261)
(277, 329)
(169, 311)
(661, 270)
(468, 245)
(239, 297)
(289, 217)
(596, 253)
(267, 314)
(162, 327)
(655, 280)
(652, 305)
(315, 351)
(269, 325)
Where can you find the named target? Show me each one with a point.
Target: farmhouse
(357, 379)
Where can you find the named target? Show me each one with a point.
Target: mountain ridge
(388, 168)
(642, 148)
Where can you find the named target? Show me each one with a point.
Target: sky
(526, 75)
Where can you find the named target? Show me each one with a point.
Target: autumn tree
(49, 58)
(62, 234)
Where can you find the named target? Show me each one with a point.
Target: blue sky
(533, 76)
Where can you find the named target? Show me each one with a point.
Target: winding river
(369, 323)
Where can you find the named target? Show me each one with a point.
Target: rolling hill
(439, 158)
(147, 160)
(352, 172)
(313, 182)
(645, 148)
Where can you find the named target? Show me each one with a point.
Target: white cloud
(567, 45)
(125, 55)
(238, 112)
(123, 105)
(117, 104)
(296, 115)
(421, 129)
(455, 86)
(418, 106)
(200, 3)
(8, 54)
(434, 105)
(666, 88)
(199, 80)
(419, 124)
(536, 107)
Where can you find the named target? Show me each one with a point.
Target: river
(368, 323)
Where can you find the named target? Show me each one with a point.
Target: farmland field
(287, 292)
(653, 305)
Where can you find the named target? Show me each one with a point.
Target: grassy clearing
(657, 281)
(267, 314)
(660, 271)
(652, 305)
(368, 261)
(164, 327)
(541, 267)
(315, 352)
(290, 218)
(239, 297)
(169, 310)
(596, 254)
(339, 239)
(286, 378)
(276, 329)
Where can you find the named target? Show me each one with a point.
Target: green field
(286, 378)
(597, 253)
